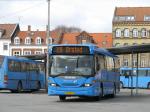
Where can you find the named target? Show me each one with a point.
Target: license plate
(69, 93)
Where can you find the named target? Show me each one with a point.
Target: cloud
(89, 15)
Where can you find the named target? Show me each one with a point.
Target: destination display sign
(70, 50)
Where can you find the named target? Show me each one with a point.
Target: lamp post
(48, 35)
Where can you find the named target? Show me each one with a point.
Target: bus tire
(19, 87)
(148, 85)
(38, 86)
(114, 92)
(98, 98)
(13, 91)
(62, 98)
(121, 85)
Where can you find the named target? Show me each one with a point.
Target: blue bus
(19, 74)
(143, 77)
(82, 70)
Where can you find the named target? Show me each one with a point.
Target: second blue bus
(143, 78)
(20, 74)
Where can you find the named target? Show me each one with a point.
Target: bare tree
(65, 29)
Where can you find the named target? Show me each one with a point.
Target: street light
(48, 35)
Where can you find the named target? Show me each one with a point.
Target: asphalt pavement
(41, 102)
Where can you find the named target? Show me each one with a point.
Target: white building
(7, 33)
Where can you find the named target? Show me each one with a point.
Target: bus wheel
(114, 92)
(13, 91)
(19, 87)
(62, 98)
(38, 86)
(121, 85)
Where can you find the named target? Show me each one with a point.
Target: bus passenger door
(127, 78)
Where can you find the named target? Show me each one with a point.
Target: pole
(137, 73)
(48, 35)
(132, 76)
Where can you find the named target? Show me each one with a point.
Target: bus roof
(130, 68)
(19, 58)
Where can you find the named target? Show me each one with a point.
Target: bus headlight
(87, 85)
(53, 84)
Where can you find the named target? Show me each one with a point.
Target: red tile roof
(8, 30)
(34, 34)
(99, 38)
(138, 12)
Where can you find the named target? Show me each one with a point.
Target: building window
(27, 53)
(104, 43)
(117, 44)
(146, 18)
(50, 40)
(5, 46)
(143, 63)
(122, 18)
(38, 52)
(126, 44)
(118, 33)
(16, 53)
(134, 62)
(126, 33)
(28, 40)
(83, 41)
(16, 40)
(125, 62)
(135, 33)
(134, 43)
(38, 40)
(143, 32)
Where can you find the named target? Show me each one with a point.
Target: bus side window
(97, 64)
(41, 67)
(27, 66)
(102, 62)
(17, 66)
(11, 65)
(23, 67)
(117, 64)
(110, 63)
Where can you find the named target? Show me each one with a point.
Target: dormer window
(16, 40)
(84, 41)
(50, 40)
(38, 40)
(28, 40)
(146, 18)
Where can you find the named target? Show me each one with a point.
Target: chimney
(29, 27)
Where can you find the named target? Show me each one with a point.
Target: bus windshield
(71, 65)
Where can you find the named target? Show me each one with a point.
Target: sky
(90, 15)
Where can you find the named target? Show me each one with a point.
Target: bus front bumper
(81, 91)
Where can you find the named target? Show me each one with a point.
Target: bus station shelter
(136, 49)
